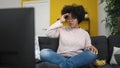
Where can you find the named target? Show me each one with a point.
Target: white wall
(42, 15)
(101, 15)
(10, 3)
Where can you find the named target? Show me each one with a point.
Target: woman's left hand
(93, 49)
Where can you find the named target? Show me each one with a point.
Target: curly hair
(76, 11)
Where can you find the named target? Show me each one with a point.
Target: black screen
(17, 38)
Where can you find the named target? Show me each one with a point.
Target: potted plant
(112, 20)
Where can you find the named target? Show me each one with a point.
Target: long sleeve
(54, 30)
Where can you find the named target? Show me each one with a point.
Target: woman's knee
(91, 55)
(45, 52)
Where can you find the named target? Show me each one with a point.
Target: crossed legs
(84, 58)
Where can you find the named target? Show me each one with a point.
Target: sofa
(102, 43)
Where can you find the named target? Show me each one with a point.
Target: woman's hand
(93, 49)
(62, 19)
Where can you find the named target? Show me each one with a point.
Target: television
(17, 38)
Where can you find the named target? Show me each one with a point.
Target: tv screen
(17, 38)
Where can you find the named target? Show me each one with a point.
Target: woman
(75, 48)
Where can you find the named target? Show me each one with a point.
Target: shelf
(88, 24)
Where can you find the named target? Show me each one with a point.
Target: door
(42, 15)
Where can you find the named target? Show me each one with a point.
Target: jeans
(77, 61)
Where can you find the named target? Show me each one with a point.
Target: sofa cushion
(115, 66)
(46, 42)
(100, 42)
(115, 56)
(105, 66)
(113, 40)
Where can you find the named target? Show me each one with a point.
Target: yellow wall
(89, 5)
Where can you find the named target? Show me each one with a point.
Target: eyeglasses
(70, 20)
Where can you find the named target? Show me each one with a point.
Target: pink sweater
(71, 40)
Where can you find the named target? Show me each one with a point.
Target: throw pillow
(37, 48)
(116, 51)
(117, 58)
